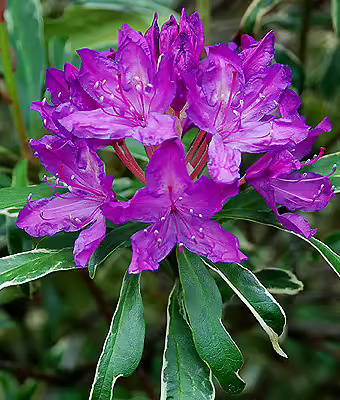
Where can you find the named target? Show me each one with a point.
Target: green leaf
(336, 16)
(27, 37)
(24, 267)
(330, 81)
(119, 237)
(279, 281)
(204, 307)
(324, 167)
(16, 198)
(252, 18)
(137, 149)
(17, 239)
(124, 343)
(287, 57)
(184, 375)
(254, 295)
(268, 218)
(96, 24)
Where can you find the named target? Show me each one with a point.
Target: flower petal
(47, 217)
(89, 240)
(308, 192)
(147, 252)
(297, 224)
(207, 197)
(224, 161)
(214, 242)
(161, 173)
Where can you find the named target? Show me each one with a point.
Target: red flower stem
(199, 153)
(130, 157)
(243, 180)
(128, 164)
(200, 166)
(195, 146)
(149, 151)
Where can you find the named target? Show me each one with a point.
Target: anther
(236, 113)
(201, 230)
(137, 78)
(180, 244)
(59, 95)
(200, 215)
(334, 167)
(77, 220)
(159, 240)
(104, 81)
(96, 85)
(150, 85)
(45, 121)
(163, 219)
(262, 96)
(180, 198)
(138, 88)
(191, 211)
(69, 188)
(145, 231)
(48, 147)
(102, 99)
(44, 101)
(132, 108)
(304, 175)
(193, 237)
(29, 198)
(72, 177)
(241, 103)
(155, 232)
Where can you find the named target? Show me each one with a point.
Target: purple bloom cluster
(153, 89)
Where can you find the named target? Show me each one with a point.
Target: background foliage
(52, 330)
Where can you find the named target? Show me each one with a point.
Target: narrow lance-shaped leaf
(279, 281)
(256, 297)
(17, 239)
(24, 267)
(27, 37)
(184, 375)
(204, 307)
(336, 16)
(257, 9)
(124, 343)
(268, 218)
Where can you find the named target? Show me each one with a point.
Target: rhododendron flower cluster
(154, 89)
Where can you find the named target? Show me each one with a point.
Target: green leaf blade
(204, 306)
(124, 343)
(25, 267)
(27, 37)
(184, 375)
(255, 296)
(279, 281)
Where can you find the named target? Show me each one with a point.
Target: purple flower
(133, 94)
(236, 98)
(82, 171)
(179, 211)
(182, 44)
(276, 177)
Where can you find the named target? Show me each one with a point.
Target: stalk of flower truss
(179, 211)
